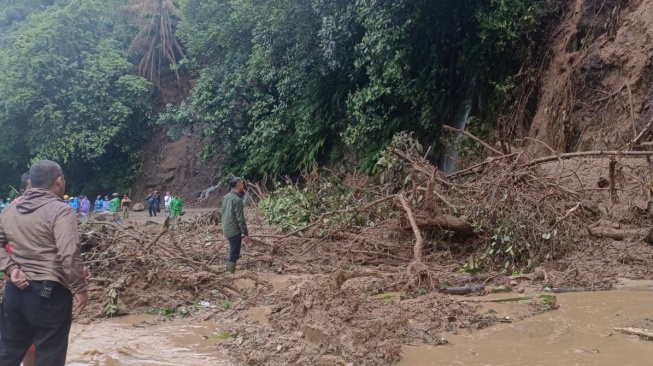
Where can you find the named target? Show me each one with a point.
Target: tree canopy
(286, 83)
(278, 85)
(68, 93)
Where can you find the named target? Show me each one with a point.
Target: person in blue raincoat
(75, 204)
(98, 204)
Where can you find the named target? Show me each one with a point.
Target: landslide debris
(379, 253)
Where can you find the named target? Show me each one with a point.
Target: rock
(103, 216)
(139, 207)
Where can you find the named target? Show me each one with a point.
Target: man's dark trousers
(235, 243)
(28, 317)
(152, 210)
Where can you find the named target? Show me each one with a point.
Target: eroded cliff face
(596, 91)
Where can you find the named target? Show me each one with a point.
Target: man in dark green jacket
(234, 227)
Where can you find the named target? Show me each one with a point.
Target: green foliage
(113, 304)
(67, 93)
(291, 207)
(177, 119)
(283, 83)
(227, 305)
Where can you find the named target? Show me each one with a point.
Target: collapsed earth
(425, 183)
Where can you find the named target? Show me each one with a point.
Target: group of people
(81, 204)
(172, 204)
(46, 280)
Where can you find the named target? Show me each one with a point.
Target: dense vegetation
(68, 92)
(278, 84)
(287, 83)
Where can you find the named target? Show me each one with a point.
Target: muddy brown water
(129, 341)
(579, 333)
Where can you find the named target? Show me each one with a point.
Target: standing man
(45, 269)
(98, 204)
(234, 227)
(25, 184)
(85, 206)
(166, 201)
(175, 207)
(124, 206)
(114, 204)
(151, 204)
(158, 201)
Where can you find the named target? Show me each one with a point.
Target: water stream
(578, 333)
(450, 159)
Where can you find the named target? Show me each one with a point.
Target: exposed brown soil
(596, 90)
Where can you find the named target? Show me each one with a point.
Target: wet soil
(579, 332)
(144, 341)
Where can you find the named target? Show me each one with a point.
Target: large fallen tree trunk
(440, 223)
(645, 234)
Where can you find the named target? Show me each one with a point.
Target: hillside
(596, 84)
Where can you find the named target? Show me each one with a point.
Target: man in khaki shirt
(45, 269)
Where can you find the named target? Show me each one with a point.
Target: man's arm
(240, 216)
(67, 242)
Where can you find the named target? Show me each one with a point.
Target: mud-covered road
(578, 333)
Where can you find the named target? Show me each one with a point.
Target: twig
(164, 230)
(419, 240)
(571, 210)
(637, 138)
(140, 240)
(613, 191)
(472, 169)
(546, 159)
(632, 109)
(485, 145)
(540, 142)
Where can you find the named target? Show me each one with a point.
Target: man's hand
(19, 278)
(79, 303)
(245, 239)
(87, 274)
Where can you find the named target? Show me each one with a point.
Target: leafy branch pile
(507, 214)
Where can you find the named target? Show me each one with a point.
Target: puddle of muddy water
(260, 314)
(127, 341)
(579, 333)
(276, 280)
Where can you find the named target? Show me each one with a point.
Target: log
(621, 234)
(644, 333)
(465, 290)
(440, 223)
(419, 240)
(588, 154)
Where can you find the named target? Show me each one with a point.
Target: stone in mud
(139, 207)
(103, 216)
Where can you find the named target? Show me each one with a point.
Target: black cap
(234, 181)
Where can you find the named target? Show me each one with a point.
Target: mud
(131, 340)
(578, 333)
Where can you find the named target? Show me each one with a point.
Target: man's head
(167, 193)
(237, 185)
(25, 182)
(48, 175)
